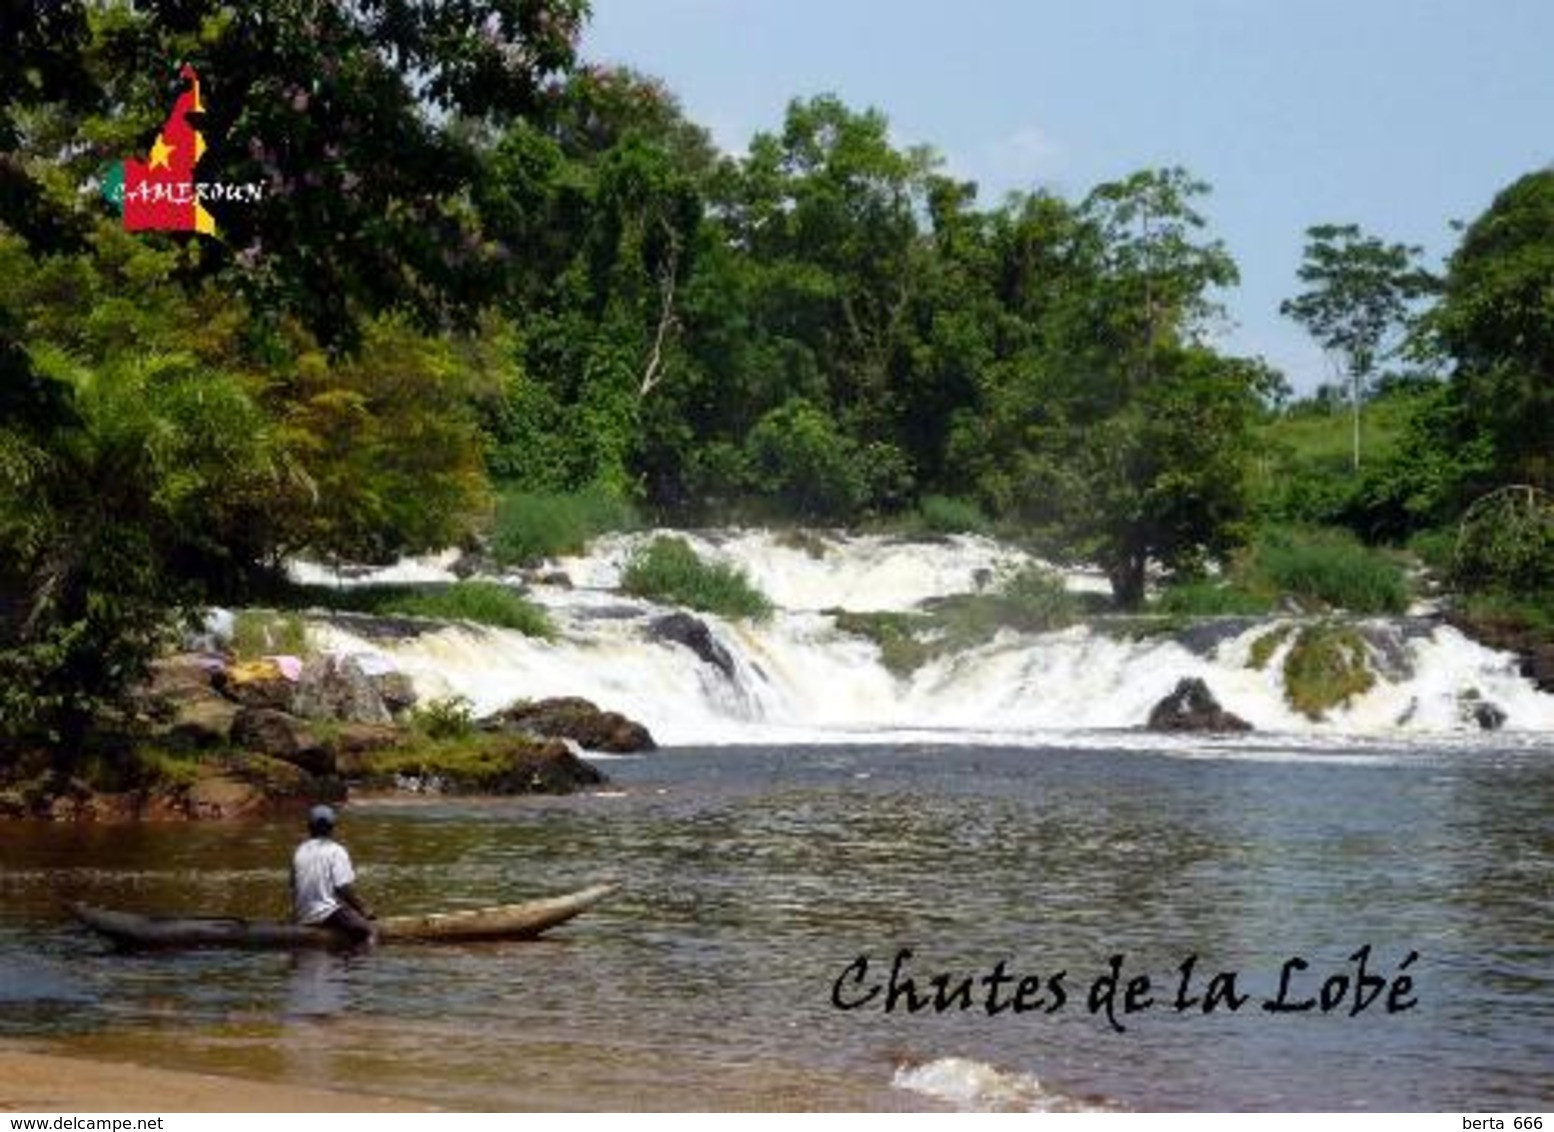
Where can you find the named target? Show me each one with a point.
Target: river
(758, 878)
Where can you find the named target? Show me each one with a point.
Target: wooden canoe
(501, 921)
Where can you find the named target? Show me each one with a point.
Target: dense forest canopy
(480, 264)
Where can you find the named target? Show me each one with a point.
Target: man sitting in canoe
(322, 881)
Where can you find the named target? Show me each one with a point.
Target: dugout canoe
(500, 921)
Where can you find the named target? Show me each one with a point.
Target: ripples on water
(755, 876)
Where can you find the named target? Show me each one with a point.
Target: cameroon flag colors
(159, 193)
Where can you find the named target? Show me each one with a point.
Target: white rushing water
(797, 678)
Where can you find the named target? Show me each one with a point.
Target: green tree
(1357, 305)
(1164, 479)
(364, 123)
(1495, 324)
(115, 513)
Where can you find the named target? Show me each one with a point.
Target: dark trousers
(351, 922)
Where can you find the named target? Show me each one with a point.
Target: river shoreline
(32, 1080)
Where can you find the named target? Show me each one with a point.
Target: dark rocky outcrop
(1192, 707)
(201, 725)
(282, 736)
(571, 717)
(176, 680)
(692, 632)
(546, 768)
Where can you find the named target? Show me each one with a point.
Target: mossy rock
(480, 764)
(902, 651)
(1265, 646)
(1326, 667)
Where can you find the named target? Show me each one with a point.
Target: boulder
(281, 736)
(335, 687)
(175, 681)
(353, 741)
(549, 768)
(256, 684)
(1472, 707)
(202, 724)
(692, 632)
(215, 797)
(183, 677)
(570, 717)
(395, 690)
(1192, 707)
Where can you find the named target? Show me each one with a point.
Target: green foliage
(1495, 321)
(1326, 569)
(389, 442)
(368, 165)
(448, 717)
(800, 460)
(534, 525)
(1359, 298)
(1205, 598)
(1434, 548)
(1531, 612)
(485, 603)
(1317, 568)
(1326, 667)
(1506, 542)
(668, 570)
(128, 508)
(941, 514)
(261, 632)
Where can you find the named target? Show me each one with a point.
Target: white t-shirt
(319, 868)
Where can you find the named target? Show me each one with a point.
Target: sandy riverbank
(39, 1082)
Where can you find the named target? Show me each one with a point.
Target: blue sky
(1398, 116)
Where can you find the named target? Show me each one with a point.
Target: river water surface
(755, 879)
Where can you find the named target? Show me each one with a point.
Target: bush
(798, 458)
(486, 603)
(261, 632)
(450, 717)
(945, 515)
(1506, 542)
(1204, 598)
(531, 525)
(1330, 568)
(1434, 548)
(668, 570)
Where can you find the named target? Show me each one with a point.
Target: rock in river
(1192, 707)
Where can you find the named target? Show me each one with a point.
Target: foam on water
(978, 1087)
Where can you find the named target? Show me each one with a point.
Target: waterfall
(798, 678)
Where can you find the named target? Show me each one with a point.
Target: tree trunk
(1127, 576)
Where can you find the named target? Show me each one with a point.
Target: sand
(40, 1082)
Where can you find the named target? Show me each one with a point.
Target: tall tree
(1495, 322)
(1357, 305)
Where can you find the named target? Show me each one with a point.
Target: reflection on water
(318, 985)
(754, 877)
